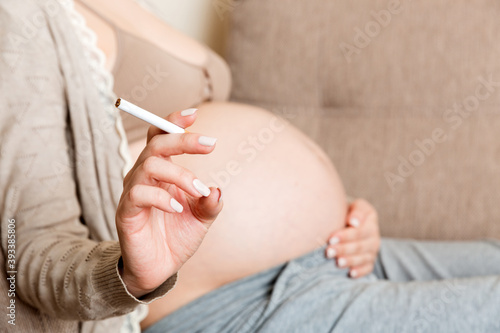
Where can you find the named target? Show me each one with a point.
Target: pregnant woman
(62, 165)
(262, 266)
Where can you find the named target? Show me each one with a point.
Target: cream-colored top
(146, 72)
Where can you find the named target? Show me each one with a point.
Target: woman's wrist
(128, 281)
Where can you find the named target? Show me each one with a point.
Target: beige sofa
(404, 96)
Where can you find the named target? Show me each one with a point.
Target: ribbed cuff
(107, 282)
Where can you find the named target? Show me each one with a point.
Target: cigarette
(148, 117)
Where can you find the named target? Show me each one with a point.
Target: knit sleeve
(59, 270)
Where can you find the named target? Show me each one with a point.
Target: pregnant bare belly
(282, 199)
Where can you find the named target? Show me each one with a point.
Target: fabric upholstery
(415, 68)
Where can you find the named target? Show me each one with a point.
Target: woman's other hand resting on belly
(165, 211)
(357, 245)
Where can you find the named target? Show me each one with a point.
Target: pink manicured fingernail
(331, 253)
(207, 141)
(342, 262)
(353, 274)
(176, 205)
(354, 222)
(201, 188)
(188, 112)
(333, 241)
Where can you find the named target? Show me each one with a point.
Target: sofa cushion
(314, 53)
(404, 98)
(426, 181)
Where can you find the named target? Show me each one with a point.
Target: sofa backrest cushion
(403, 95)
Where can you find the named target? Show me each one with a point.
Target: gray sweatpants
(416, 287)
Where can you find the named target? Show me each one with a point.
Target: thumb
(357, 213)
(206, 209)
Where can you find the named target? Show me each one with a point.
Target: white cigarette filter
(148, 117)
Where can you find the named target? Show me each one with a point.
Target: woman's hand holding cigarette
(164, 211)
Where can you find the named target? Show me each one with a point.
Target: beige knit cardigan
(60, 180)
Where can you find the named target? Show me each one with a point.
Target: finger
(349, 234)
(357, 213)
(330, 252)
(183, 119)
(352, 248)
(355, 219)
(207, 209)
(156, 169)
(355, 260)
(360, 271)
(142, 196)
(165, 145)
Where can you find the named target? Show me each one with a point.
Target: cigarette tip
(118, 101)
